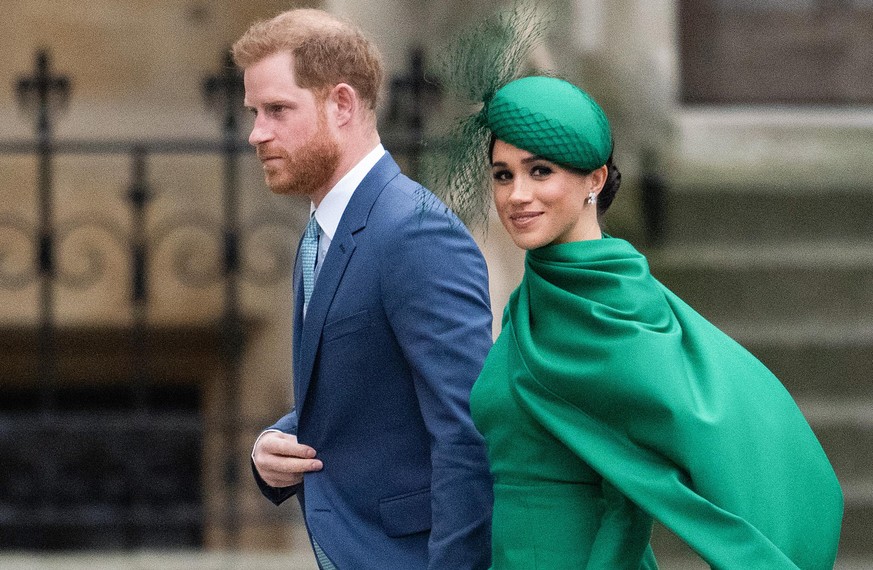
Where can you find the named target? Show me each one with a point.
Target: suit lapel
(332, 269)
(353, 220)
(298, 323)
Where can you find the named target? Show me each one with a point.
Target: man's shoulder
(393, 205)
(415, 219)
(404, 200)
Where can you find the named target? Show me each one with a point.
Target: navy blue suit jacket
(395, 334)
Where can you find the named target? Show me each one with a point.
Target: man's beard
(306, 171)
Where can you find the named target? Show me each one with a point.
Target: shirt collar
(332, 206)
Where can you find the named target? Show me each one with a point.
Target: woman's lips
(522, 220)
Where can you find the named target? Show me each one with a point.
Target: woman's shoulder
(591, 284)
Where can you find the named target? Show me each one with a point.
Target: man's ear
(345, 101)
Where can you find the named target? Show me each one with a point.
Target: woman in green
(607, 402)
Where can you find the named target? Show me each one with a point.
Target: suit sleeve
(435, 291)
(278, 495)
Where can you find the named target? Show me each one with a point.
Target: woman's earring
(592, 198)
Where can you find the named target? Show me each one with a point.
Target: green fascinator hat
(544, 115)
(551, 118)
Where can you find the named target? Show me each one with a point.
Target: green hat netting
(551, 118)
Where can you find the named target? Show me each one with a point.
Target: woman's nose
(520, 192)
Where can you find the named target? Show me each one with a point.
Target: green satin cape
(670, 411)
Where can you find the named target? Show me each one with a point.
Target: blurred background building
(145, 308)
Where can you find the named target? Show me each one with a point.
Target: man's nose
(260, 132)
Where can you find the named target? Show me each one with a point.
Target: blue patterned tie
(324, 562)
(308, 254)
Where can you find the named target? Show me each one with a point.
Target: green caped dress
(607, 402)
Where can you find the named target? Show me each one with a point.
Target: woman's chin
(527, 241)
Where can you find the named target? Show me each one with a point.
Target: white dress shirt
(333, 205)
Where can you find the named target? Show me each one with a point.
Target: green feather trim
(473, 66)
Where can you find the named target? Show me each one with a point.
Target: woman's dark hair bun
(610, 187)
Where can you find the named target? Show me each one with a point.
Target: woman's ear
(598, 178)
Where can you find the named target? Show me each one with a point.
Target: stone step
(823, 280)
(855, 538)
(200, 559)
(755, 215)
(812, 359)
(845, 429)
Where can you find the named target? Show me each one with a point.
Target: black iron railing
(127, 473)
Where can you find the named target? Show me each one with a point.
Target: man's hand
(281, 461)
